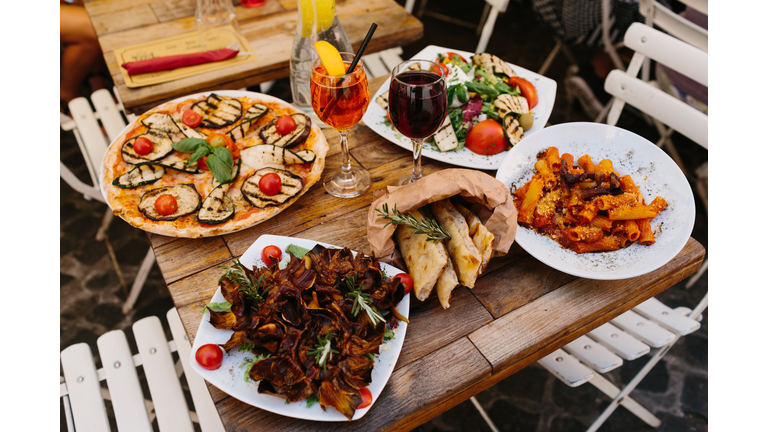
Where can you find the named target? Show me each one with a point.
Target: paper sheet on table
(493, 205)
(182, 44)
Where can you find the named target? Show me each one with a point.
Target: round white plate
(229, 378)
(546, 89)
(655, 173)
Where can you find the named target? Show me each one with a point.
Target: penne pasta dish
(585, 206)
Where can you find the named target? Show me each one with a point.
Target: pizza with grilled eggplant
(211, 164)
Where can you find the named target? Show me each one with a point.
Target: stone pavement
(531, 400)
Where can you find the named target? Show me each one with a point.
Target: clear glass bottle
(214, 18)
(317, 21)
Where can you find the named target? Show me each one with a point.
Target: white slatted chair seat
(566, 368)
(594, 355)
(644, 329)
(619, 342)
(83, 396)
(87, 126)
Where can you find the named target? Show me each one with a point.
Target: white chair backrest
(657, 14)
(667, 109)
(497, 7)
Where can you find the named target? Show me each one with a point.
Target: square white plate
(546, 89)
(229, 378)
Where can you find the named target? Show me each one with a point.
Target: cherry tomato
(451, 54)
(143, 146)
(209, 356)
(487, 138)
(271, 254)
(527, 89)
(443, 67)
(219, 140)
(191, 118)
(367, 398)
(234, 149)
(389, 118)
(166, 204)
(270, 184)
(406, 280)
(201, 164)
(285, 124)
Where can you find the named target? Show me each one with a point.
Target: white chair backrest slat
(669, 51)
(647, 331)
(108, 113)
(374, 66)
(658, 14)
(666, 108)
(666, 317)
(566, 368)
(619, 342)
(88, 410)
(123, 382)
(92, 142)
(207, 415)
(391, 58)
(171, 407)
(593, 354)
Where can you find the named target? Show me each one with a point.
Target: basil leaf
(482, 89)
(220, 164)
(462, 94)
(503, 88)
(225, 155)
(189, 145)
(224, 306)
(199, 153)
(296, 251)
(451, 92)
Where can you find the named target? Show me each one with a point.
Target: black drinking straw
(335, 101)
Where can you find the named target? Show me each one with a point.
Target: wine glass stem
(417, 143)
(346, 163)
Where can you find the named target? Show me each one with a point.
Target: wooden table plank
(574, 309)
(184, 257)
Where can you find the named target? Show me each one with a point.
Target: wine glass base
(402, 181)
(357, 184)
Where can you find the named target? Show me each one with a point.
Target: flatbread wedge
(446, 283)
(461, 249)
(425, 260)
(481, 237)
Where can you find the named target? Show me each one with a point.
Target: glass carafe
(317, 21)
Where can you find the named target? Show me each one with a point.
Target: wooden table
(519, 311)
(269, 29)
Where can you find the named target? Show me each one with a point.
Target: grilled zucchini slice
(253, 113)
(269, 133)
(163, 146)
(139, 176)
(162, 122)
(383, 100)
(218, 111)
(493, 64)
(445, 137)
(292, 185)
(512, 128)
(217, 207)
(186, 195)
(507, 103)
(263, 155)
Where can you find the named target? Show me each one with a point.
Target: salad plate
(652, 170)
(376, 117)
(230, 377)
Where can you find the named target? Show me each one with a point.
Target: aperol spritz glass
(340, 102)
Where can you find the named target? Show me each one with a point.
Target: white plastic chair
(83, 396)
(93, 143)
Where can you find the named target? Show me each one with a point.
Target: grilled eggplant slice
(186, 195)
(512, 128)
(507, 103)
(217, 207)
(218, 111)
(162, 122)
(189, 132)
(139, 176)
(292, 185)
(493, 64)
(269, 133)
(263, 155)
(253, 113)
(163, 147)
(176, 162)
(445, 137)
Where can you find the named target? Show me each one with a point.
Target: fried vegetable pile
(315, 321)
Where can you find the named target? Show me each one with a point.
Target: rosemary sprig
(246, 285)
(430, 227)
(323, 351)
(362, 301)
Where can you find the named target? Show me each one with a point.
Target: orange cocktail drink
(339, 101)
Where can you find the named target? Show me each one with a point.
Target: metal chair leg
(487, 419)
(138, 283)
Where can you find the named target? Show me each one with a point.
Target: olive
(526, 121)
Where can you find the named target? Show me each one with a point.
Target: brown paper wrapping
(475, 186)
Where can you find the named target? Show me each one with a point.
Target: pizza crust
(123, 202)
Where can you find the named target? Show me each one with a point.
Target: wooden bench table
(270, 30)
(519, 311)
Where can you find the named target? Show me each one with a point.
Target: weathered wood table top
(269, 29)
(519, 311)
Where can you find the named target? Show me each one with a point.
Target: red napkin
(177, 61)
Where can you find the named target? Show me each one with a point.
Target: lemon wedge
(316, 16)
(330, 57)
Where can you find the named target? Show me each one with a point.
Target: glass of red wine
(417, 104)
